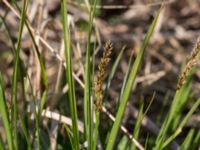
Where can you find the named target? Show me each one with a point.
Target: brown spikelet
(101, 74)
(190, 64)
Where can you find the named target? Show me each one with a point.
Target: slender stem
(15, 73)
(71, 91)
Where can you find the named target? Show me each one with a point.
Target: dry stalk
(42, 40)
(101, 74)
(190, 64)
(135, 6)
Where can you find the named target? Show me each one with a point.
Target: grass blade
(122, 143)
(40, 57)
(140, 118)
(21, 74)
(69, 134)
(114, 68)
(36, 115)
(126, 77)
(71, 91)
(182, 124)
(26, 134)
(187, 141)
(5, 116)
(129, 84)
(88, 103)
(137, 125)
(15, 73)
(2, 147)
(195, 142)
(173, 111)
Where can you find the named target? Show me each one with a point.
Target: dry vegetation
(124, 23)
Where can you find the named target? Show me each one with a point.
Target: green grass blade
(122, 143)
(15, 73)
(21, 74)
(45, 83)
(126, 77)
(70, 81)
(181, 105)
(114, 68)
(36, 115)
(137, 125)
(162, 108)
(69, 134)
(146, 142)
(43, 99)
(195, 142)
(139, 120)
(187, 141)
(40, 57)
(129, 84)
(5, 116)
(96, 132)
(150, 104)
(25, 132)
(182, 124)
(96, 125)
(174, 110)
(2, 147)
(88, 103)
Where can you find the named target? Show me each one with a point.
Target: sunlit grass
(15, 124)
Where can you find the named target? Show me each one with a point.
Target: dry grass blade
(43, 41)
(123, 6)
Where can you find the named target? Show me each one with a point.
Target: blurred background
(124, 23)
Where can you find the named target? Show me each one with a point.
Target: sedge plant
(94, 95)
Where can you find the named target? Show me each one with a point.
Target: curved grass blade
(128, 88)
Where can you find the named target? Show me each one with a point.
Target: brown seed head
(190, 64)
(101, 74)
